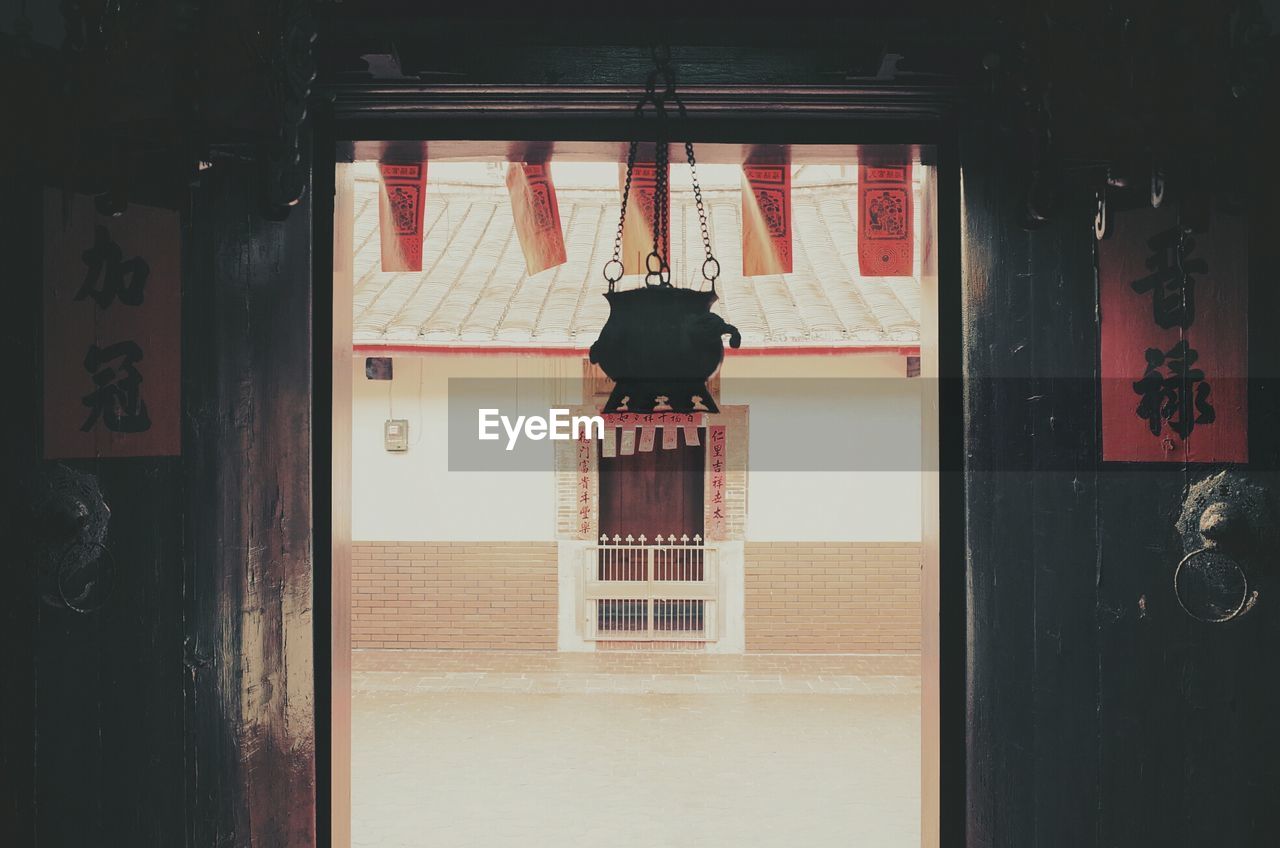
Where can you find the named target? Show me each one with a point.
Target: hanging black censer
(661, 343)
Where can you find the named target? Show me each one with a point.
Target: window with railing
(637, 589)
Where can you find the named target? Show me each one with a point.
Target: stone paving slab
(634, 684)
(452, 750)
(492, 769)
(613, 662)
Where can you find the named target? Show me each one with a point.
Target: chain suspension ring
(658, 262)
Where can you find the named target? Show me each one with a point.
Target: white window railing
(664, 590)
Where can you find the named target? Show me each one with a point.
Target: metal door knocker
(1227, 521)
(68, 520)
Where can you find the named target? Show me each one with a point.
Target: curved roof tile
(475, 288)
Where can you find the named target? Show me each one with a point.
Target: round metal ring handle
(1223, 570)
(105, 562)
(710, 276)
(1157, 188)
(609, 268)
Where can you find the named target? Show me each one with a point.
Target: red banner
(537, 215)
(586, 501)
(717, 461)
(401, 211)
(1174, 337)
(632, 419)
(766, 220)
(112, 330)
(885, 223)
(637, 233)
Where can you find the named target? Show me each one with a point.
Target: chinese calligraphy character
(1171, 284)
(105, 279)
(117, 400)
(1170, 398)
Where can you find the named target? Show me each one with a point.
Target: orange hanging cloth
(401, 209)
(537, 215)
(637, 233)
(766, 220)
(885, 227)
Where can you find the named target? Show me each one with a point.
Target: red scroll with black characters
(112, 330)
(885, 224)
(537, 215)
(766, 220)
(401, 213)
(637, 233)
(1174, 316)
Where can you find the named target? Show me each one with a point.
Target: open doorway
(719, 616)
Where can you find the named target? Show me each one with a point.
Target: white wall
(857, 409)
(855, 415)
(413, 496)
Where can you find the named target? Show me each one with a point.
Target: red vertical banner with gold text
(717, 462)
(766, 220)
(112, 331)
(401, 213)
(637, 233)
(885, 221)
(537, 215)
(1174, 315)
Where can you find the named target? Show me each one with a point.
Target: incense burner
(659, 346)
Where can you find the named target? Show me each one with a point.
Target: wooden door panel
(1099, 713)
(652, 492)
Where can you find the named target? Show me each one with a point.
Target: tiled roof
(475, 291)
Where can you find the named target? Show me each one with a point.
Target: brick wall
(454, 595)
(833, 597)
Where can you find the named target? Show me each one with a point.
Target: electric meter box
(396, 434)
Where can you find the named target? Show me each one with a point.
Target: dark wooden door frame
(774, 115)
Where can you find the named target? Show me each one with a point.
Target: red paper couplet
(586, 522)
(766, 220)
(112, 331)
(717, 459)
(632, 419)
(400, 215)
(537, 215)
(637, 232)
(885, 228)
(1174, 324)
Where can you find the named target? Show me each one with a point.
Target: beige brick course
(454, 595)
(833, 597)
(801, 597)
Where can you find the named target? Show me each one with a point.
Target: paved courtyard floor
(615, 750)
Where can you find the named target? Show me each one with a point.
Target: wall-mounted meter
(396, 434)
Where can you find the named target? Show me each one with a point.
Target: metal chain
(707, 272)
(616, 261)
(658, 264)
(710, 265)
